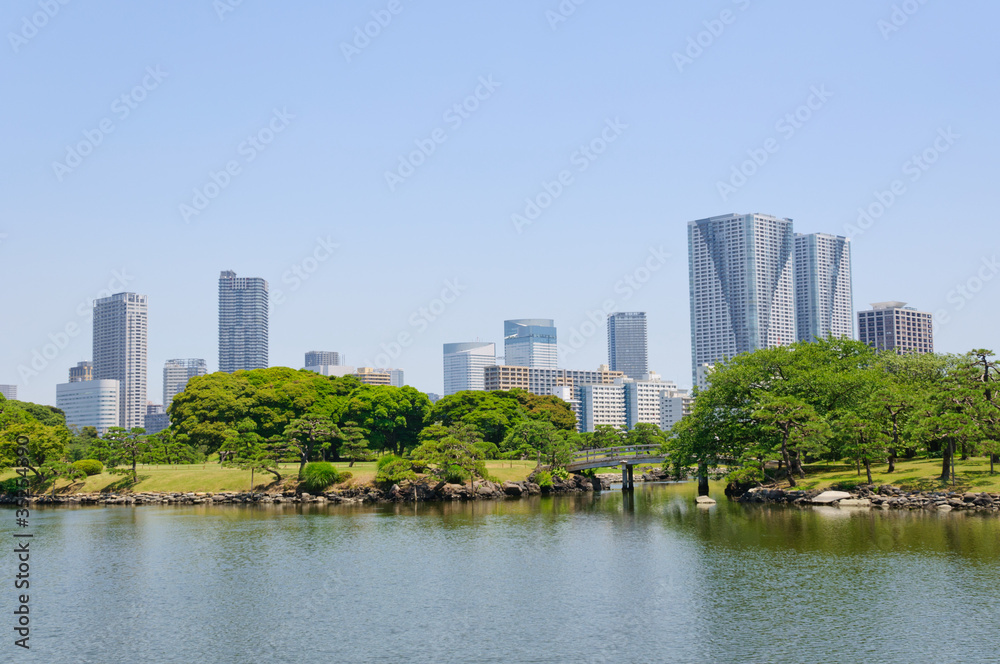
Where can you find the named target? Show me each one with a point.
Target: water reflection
(642, 576)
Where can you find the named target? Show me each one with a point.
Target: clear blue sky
(552, 86)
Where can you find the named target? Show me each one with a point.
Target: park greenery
(768, 414)
(261, 421)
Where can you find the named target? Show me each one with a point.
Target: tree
(644, 433)
(450, 452)
(392, 416)
(798, 427)
(354, 445)
(865, 440)
(310, 435)
(121, 447)
(605, 435)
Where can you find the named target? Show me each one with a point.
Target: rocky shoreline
(886, 497)
(420, 491)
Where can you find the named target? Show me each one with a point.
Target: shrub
(12, 486)
(561, 473)
(385, 460)
(544, 479)
(89, 466)
(318, 475)
(455, 475)
(395, 471)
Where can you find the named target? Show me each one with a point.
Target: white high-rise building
(530, 342)
(243, 323)
(177, 373)
(740, 277)
(120, 330)
(824, 305)
(90, 403)
(464, 365)
(601, 404)
(9, 392)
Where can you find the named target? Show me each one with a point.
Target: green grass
(211, 477)
(911, 475)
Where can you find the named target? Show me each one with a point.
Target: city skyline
(890, 143)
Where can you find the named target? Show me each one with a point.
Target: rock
(944, 508)
(830, 497)
(854, 502)
(512, 489)
(704, 500)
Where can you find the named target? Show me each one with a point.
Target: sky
(408, 174)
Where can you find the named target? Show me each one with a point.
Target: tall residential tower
(242, 322)
(120, 330)
(627, 346)
(824, 304)
(740, 269)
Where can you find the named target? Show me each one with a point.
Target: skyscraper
(530, 342)
(9, 392)
(177, 373)
(895, 326)
(740, 269)
(242, 322)
(627, 343)
(824, 304)
(464, 364)
(120, 330)
(322, 358)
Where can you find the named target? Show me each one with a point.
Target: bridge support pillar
(628, 478)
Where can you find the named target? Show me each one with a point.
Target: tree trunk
(892, 460)
(946, 463)
(868, 470)
(702, 479)
(787, 459)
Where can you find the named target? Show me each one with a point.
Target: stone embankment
(880, 497)
(409, 492)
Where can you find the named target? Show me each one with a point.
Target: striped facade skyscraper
(120, 331)
(824, 303)
(740, 269)
(243, 311)
(627, 344)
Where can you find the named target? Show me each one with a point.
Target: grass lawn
(211, 477)
(913, 475)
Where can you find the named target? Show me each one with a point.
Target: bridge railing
(614, 453)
